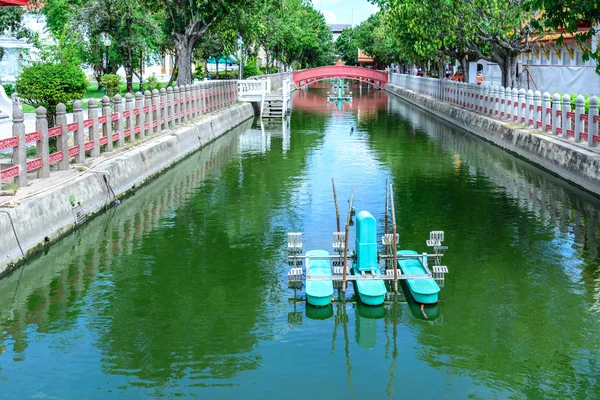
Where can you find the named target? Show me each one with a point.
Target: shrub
(8, 88)
(152, 83)
(47, 84)
(251, 68)
(111, 84)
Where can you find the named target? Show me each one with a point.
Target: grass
(94, 93)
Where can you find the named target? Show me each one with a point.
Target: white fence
(552, 114)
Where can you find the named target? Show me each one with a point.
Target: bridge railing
(253, 89)
(552, 114)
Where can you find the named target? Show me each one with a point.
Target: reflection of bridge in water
(554, 202)
(70, 269)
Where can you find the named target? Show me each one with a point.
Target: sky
(345, 11)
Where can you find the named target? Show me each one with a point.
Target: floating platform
(318, 292)
(424, 291)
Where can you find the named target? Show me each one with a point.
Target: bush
(111, 84)
(251, 68)
(47, 84)
(8, 88)
(152, 83)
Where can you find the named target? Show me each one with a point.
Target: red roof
(13, 3)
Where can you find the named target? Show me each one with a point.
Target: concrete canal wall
(567, 160)
(44, 217)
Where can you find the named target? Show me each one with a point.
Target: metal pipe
(351, 202)
(394, 239)
(337, 210)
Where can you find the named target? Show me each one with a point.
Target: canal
(181, 290)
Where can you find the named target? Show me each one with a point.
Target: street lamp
(240, 43)
(107, 42)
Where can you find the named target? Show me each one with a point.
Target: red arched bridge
(308, 76)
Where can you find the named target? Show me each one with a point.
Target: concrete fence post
(79, 134)
(176, 106)
(140, 120)
(148, 120)
(522, 107)
(62, 141)
(537, 110)
(502, 102)
(130, 118)
(516, 106)
(94, 134)
(203, 98)
(566, 108)
(188, 103)
(193, 101)
(555, 113)
(20, 151)
(120, 123)
(170, 108)
(107, 127)
(579, 111)
(163, 109)
(155, 112)
(41, 148)
(529, 107)
(592, 124)
(546, 118)
(495, 100)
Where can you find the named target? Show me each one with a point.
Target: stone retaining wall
(567, 160)
(43, 218)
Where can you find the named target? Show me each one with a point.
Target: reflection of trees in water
(47, 292)
(516, 316)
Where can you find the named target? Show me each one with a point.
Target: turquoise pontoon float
(318, 292)
(424, 291)
(370, 291)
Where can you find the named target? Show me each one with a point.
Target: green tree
(47, 84)
(347, 48)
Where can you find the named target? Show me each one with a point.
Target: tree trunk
(464, 65)
(509, 71)
(129, 77)
(267, 54)
(184, 48)
(174, 73)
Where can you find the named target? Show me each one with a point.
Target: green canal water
(181, 291)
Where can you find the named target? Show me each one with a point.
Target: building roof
(335, 28)
(12, 3)
(364, 57)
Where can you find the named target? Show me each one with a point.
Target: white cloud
(330, 17)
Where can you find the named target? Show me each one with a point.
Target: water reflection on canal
(181, 290)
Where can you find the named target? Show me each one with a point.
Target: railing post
(555, 112)
(163, 109)
(193, 101)
(148, 112)
(204, 97)
(79, 134)
(188, 103)
(107, 127)
(170, 107)
(537, 109)
(546, 118)
(495, 102)
(528, 108)
(131, 118)
(176, 106)
(579, 111)
(592, 124)
(20, 151)
(140, 120)
(155, 111)
(502, 102)
(62, 141)
(120, 125)
(41, 148)
(93, 132)
(522, 106)
(566, 108)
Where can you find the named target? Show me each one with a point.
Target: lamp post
(240, 43)
(107, 42)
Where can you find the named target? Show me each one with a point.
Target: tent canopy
(230, 60)
(13, 3)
